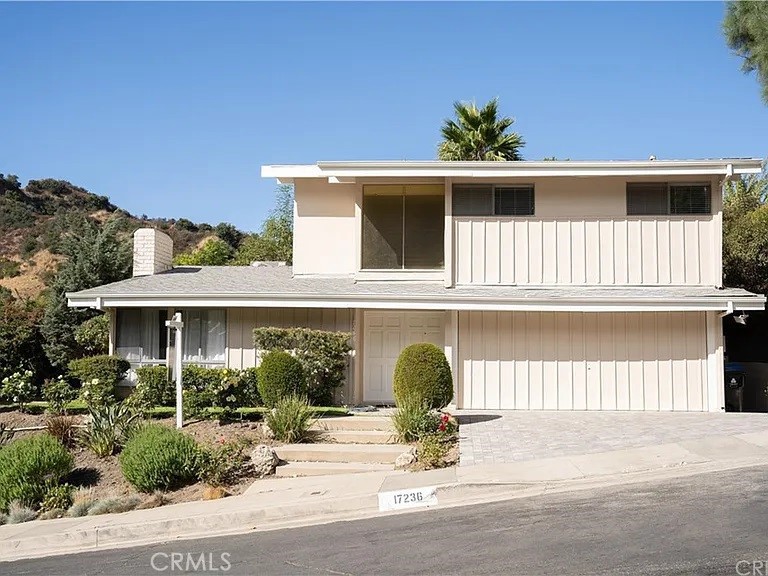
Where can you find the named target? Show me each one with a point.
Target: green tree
(479, 134)
(746, 30)
(229, 234)
(214, 252)
(745, 233)
(20, 339)
(94, 257)
(274, 243)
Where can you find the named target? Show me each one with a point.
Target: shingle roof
(278, 282)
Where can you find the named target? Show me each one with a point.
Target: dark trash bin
(735, 378)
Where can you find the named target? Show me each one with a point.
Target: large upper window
(140, 335)
(659, 198)
(403, 227)
(205, 336)
(492, 200)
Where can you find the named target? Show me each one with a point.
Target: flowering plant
(97, 393)
(447, 424)
(18, 388)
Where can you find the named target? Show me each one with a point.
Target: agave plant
(108, 428)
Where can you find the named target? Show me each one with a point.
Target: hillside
(33, 219)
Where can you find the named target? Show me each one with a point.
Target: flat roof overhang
(392, 302)
(347, 172)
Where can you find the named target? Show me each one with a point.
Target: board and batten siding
(241, 352)
(584, 361)
(645, 250)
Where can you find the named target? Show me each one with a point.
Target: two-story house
(550, 285)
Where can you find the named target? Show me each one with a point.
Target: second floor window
(403, 227)
(492, 200)
(660, 198)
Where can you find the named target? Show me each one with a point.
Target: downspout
(728, 310)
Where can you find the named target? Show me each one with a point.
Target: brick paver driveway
(496, 437)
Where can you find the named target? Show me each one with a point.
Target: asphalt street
(706, 524)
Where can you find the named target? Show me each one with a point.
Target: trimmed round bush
(29, 467)
(422, 372)
(160, 458)
(280, 375)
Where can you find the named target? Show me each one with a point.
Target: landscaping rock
(406, 458)
(264, 460)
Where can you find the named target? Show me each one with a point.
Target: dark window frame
(672, 207)
(523, 206)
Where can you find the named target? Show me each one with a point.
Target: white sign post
(177, 325)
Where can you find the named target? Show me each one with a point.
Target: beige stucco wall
(588, 361)
(324, 227)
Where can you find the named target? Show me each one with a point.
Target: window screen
(647, 198)
(689, 199)
(514, 201)
(382, 232)
(655, 198)
(472, 200)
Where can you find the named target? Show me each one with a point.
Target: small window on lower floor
(205, 336)
(141, 336)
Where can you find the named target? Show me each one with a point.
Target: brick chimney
(152, 252)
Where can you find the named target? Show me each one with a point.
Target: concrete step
(356, 436)
(326, 468)
(358, 453)
(355, 423)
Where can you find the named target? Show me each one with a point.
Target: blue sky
(171, 108)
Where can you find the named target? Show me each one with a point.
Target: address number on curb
(410, 498)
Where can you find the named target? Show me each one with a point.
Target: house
(573, 285)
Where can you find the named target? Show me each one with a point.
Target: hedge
(324, 355)
(280, 376)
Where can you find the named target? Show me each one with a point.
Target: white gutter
(344, 171)
(436, 302)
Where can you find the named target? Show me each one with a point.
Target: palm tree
(479, 134)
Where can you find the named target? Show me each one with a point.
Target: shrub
(414, 419)
(224, 464)
(113, 505)
(157, 457)
(93, 335)
(29, 466)
(107, 369)
(432, 451)
(19, 513)
(324, 355)
(96, 393)
(58, 393)
(63, 428)
(422, 371)
(291, 419)
(18, 388)
(223, 388)
(57, 498)
(3, 518)
(280, 376)
(153, 388)
(109, 428)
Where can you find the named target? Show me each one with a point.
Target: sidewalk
(287, 502)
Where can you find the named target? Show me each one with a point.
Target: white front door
(386, 334)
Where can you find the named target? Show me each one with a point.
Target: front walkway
(504, 436)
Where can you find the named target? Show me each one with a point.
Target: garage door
(583, 361)
(386, 334)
